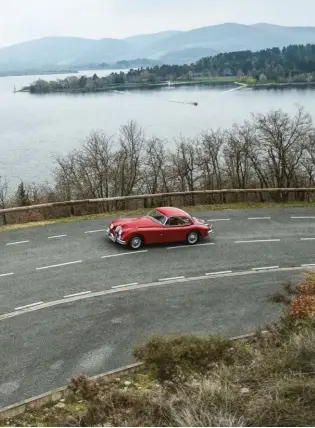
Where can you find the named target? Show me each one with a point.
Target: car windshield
(156, 215)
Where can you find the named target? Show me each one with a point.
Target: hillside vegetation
(194, 380)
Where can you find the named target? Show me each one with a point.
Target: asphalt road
(73, 302)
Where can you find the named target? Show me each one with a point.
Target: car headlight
(118, 230)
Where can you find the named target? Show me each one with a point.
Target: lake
(33, 128)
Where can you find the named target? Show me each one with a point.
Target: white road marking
(307, 239)
(259, 218)
(266, 267)
(219, 273)
(17, 243)
(125, 285)
(59, 265)
(304, 217)
(28, 306)
(6, 274)
(220, 219)
(139, 287)
(124, 254)
(257, 240)
(56, 236)
(308, 265)
(189, 246)
(95, 231)
(171, 279)
(77, 294)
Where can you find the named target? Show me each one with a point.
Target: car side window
(175, 221)
(178, 221)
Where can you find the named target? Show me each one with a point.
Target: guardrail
(60, 393)
(82, 207)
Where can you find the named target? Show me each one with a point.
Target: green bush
(171, 356)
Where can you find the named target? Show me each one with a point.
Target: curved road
(73, 302)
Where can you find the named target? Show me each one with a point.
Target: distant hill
(186, 56)
(145, 40)
(171, 47)
(235, 37)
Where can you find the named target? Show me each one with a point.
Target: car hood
(135, 222)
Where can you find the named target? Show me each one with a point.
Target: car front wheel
(192, 237)
(136, 242)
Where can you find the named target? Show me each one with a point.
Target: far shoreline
(151, 86)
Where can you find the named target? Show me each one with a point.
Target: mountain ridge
(171, 46)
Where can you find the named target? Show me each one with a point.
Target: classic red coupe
(160, 226)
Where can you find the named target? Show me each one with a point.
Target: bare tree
(4, 187)
(154, 174)
(87, 172)
(129, 158)
(238, 152)
(185, 164)
(210, 158)
(281, 143)
(308, 162)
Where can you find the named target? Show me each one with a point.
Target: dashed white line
(124, 254)
(95, 231)
(266, 268)
(308, 265)
(29, 306)
(56, 236)
(307, 239)
(6, 274)
(259, 218)
(219, 273)
(171, 279)
(77, 294)
(257, 240)
(59, 265)
(189, 246)
(125, 285)
(304, 217)
(220, 219)
(134, 288)
(17, 243)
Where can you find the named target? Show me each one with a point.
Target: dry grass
(195, 208)
(206, 381)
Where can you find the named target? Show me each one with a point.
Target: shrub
(171, 356)
(303, 307)
(307, 287)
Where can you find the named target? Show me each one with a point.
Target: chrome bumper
(114, 239)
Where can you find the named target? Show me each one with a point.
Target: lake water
(35, 127)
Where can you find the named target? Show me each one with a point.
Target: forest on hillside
(292, 64)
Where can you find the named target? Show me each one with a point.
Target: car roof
(171, 211)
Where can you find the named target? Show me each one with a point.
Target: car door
(176, 229)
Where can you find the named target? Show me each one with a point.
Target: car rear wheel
(136, 242)
(193, 237)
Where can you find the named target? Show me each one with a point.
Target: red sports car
(160, 226)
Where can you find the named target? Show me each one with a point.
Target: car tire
(136, 242)
(193, 237)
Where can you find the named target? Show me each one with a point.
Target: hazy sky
(22, 20)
